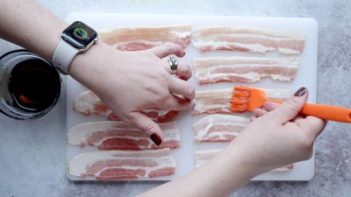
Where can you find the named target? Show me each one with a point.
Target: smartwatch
(76, 38)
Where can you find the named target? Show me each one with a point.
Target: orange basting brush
(247, 99)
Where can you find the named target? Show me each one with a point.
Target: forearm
(29, 24)
(222, 175)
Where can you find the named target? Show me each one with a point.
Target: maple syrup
(29, 85)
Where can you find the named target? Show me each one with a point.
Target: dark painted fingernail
(183, 53)
(300, 92)
(156, 139)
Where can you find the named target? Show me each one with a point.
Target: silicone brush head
(247, 98)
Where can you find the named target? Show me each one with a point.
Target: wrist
(85, 66)
(54, 41)
(227, 172)
(241, 156)
(75, 39)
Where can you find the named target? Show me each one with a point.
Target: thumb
(291, 107)
(144, 123)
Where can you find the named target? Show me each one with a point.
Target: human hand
(278, 135)
(131, 82)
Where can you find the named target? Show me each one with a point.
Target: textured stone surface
(32, 153)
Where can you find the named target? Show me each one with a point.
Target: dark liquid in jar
(34, 86)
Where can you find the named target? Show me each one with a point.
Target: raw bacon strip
(218, 101)
(111, 135)
(140, 38)
(204, 156)
(122, 165)
(247, 39)
(244, 69)
(88, 103)
(219, 128)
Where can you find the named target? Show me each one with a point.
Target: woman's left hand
(278, 135)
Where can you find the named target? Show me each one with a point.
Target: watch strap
(63, 56)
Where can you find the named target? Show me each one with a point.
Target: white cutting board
(307, 76)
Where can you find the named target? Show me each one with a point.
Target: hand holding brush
(248, 98)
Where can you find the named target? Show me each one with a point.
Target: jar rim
(8, 105)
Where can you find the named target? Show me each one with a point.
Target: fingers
(267, 107)
(311, 124)
(144, 123)
(291, 107)
(167, 49)
(270, 106)
(259, 112)
(183, 71)
(181, 87)
(298, 118)
(174, 103)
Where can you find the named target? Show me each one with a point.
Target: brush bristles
(240, 99)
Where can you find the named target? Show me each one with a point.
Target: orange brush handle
(327, 112)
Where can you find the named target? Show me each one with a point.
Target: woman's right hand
(131, 82)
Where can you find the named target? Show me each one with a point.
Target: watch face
(79, 35)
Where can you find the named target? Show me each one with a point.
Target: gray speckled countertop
(32, 153)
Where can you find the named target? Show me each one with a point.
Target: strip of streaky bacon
(218, 101)
(219, 127)
(204, 156)
(88, 103)
(244, 69)
(113, 135)
(141, 38)
(247, 39)
(122, 165)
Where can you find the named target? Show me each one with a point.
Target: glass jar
(29, 85)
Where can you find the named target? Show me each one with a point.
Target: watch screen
(81, 33)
